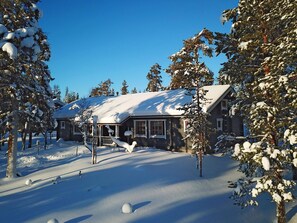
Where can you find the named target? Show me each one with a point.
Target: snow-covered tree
(261, 51)
(124, 89)
(82, 118)
(134, 91)
(24, 75)
(70, 96)
(188, 72)
(104, 88)
(56, 92)
(154, 78)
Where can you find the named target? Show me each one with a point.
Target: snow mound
(29, 182)
(27, 161)
(53, 220)
(127, 208)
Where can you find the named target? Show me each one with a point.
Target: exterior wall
(172, 141)
(230, 125)
(66, 131)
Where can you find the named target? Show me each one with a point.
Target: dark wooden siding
(67, 133)
(173, 140)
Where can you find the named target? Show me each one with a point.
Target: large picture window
(140, 128)
(157, 129)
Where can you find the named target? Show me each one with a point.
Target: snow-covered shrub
(53, 220)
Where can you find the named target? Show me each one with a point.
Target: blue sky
(93, 40)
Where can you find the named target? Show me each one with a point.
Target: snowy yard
(161, 186)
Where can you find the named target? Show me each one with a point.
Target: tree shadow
(292, 213)
(79, 219)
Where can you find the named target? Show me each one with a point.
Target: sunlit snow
(61, 183)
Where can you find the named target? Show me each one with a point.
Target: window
(76, 130)
(224, 104)
(157, 129)
(219, 124)
(62, 125)
(140, 128)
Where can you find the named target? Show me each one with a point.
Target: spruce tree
(261, 52)
(124, 88)
(70, 96)
(56, 92)
(154, 78)
(24, 75)
(134, 91)
(188, 72)
(66, 97)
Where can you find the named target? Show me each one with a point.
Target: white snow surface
(161, 186)
(112, 110)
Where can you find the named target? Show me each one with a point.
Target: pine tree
(24, 75)
(188, 72)
(66, 97)
(124, 88)
(134, 91)
(104, 88)
(70, 96)
(261, 52)
(56, 92)
(154, 78)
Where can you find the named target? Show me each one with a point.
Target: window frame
(74, 130)
(158, 136)
(221, 121)
(62, 125)
(136, 130)
(224, 105)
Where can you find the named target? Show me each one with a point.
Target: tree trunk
(45, 140)
(294, 171)
(12, 145)
(24, 136)
(281, 212)
(30, 140)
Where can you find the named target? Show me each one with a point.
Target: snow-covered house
(151, 119)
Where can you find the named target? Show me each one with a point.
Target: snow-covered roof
(113, 110)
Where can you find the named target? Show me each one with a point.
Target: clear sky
(93, 40)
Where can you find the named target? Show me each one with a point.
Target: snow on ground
(161, 186)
